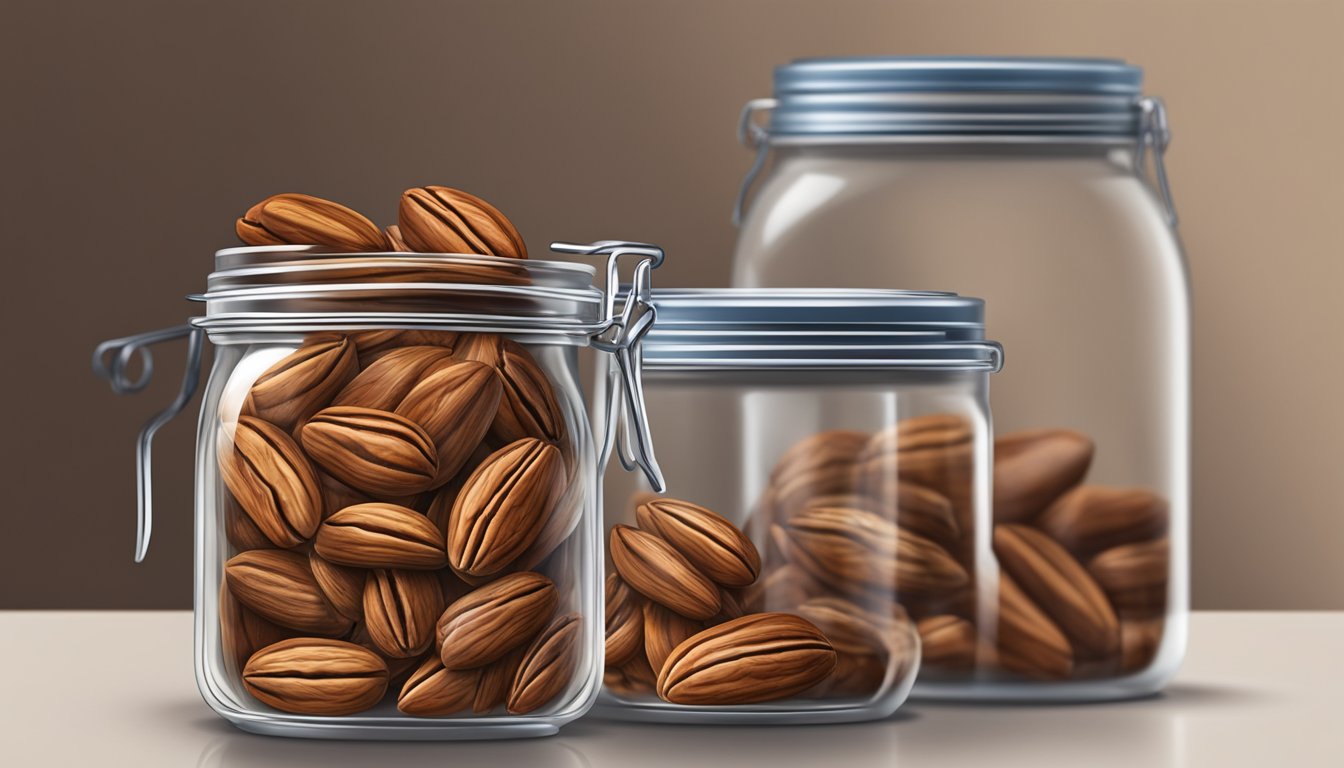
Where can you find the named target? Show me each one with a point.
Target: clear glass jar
(827, 459)
(396, 490)
(1025, 182)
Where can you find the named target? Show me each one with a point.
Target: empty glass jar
(396, 496)
(1037, 184)
(827, 460)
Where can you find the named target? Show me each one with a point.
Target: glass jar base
(406, 731)
(1076, 691)
(736, 715)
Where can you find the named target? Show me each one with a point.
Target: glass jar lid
(754, 329)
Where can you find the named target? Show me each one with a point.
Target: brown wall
(135, 131)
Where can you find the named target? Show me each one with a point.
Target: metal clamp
(1155, 133)
(752, 135)
(621, 335)
(111, 360)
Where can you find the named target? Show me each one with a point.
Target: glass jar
(1038, 185)
(396, 489)
(827, 458)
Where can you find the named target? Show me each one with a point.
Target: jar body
(812, 467)
(1086, 289)
(363, 497)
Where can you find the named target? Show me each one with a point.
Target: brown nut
(656, 570)
(564, 517)
(1135, 576)
(302, 382)
(433, 691)
(306, 220)
(852, 550)
(378, 535)
(664, 630)
(271, 480)
(932, 451)
(239, 530)
(241, 631)
(1032, 468)
(529, 407)
(374, 345)
(1060, 586)
(315, 676)
(947, 642)
(849, 628)
(624, 621)
(385, 382)
(376, 452)
(1139, 642)
(1091, 518)
(711, 543)
(822, 464)
(455, 404)
(444, 220)
(548, 666)
(492, 620)
(496, 680)
(342, 585)
(400, 610)
(503, 506)
(395, 242)
(918, 510)
(279, 586)
(1029, 643)
(762, 657)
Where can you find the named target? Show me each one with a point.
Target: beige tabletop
(1257, 689)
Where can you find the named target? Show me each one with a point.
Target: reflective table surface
(117, 688)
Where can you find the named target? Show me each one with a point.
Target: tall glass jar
(396, 490)
(827, 458)
(1038, 185)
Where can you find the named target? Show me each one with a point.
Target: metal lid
(742, 329)
(939, 96)
(299, 287)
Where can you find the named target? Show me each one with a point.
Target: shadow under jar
(396, 492)
(827, 458)
(1037, 184)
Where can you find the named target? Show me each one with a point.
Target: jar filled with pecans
(827, 454)
(397, 485)
(1038, 184)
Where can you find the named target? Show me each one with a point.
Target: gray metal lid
(938, 96)
(732, 329)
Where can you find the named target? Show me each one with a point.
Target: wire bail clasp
(111, 361)
(752, 135)
(621, 335)
(1155, 134)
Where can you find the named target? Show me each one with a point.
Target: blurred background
(137, 131)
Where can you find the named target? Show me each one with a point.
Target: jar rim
(303, 287)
